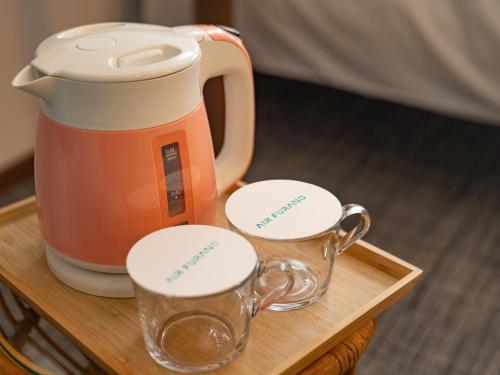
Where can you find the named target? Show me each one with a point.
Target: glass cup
(297, 222)
(199, 329)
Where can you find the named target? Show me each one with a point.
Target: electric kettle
(123, 145)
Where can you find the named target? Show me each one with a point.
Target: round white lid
(116, 52)
(283, 210)
(191, 261)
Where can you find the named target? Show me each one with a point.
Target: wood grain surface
(366, 281)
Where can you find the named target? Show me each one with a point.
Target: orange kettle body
(99, 192)
(123, 145)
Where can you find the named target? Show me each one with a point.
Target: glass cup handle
(358, 231)
(265, 266)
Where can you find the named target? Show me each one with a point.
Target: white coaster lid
(283, 209)
(191, 261)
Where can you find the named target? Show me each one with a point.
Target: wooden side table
(341, 359)
(326, 337)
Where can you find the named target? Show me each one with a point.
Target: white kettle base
(115, 285)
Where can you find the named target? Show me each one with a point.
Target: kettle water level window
(173, 174)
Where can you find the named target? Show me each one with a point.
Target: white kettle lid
(116, 52)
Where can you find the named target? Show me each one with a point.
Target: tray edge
(17, 210)
(349, 325)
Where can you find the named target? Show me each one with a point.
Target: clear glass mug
(307, 243)
(205, 332)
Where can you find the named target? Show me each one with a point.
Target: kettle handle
(223, 54)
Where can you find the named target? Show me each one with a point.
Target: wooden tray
(366, 281)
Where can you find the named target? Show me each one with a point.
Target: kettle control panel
(174, 179)
(173, 174)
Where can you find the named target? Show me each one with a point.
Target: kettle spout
(31, 80)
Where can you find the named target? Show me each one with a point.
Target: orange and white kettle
(123, 144)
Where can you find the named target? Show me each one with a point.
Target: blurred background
(391, 104)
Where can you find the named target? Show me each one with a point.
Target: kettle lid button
(95, 43)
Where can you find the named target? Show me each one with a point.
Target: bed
(438, 55)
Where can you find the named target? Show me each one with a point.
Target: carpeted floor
(432, 186)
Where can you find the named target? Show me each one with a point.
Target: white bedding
(437, 54)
